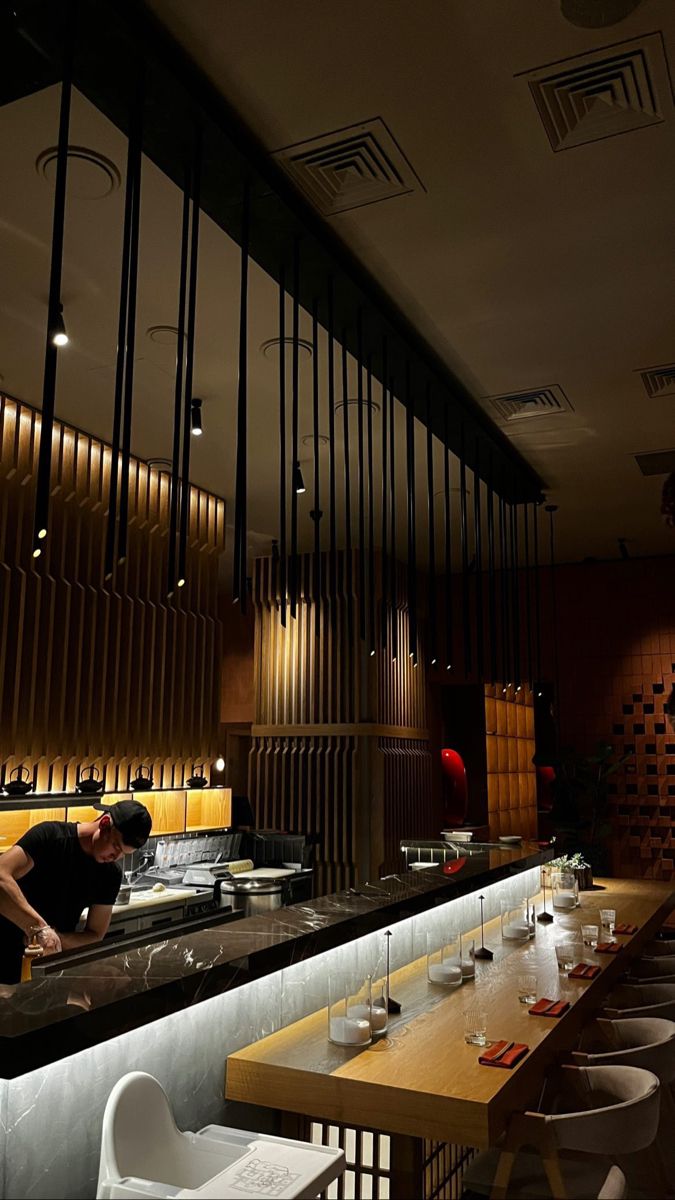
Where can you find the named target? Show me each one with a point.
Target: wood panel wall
(340, 742)
(510, 747)
(112, 674)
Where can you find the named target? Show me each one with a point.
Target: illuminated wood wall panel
(510, 747)
(115, 675)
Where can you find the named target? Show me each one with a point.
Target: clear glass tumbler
(568, 955)
(444, 958)
(608, 921)
(527, 989)
(589, 935)
(475, 1026)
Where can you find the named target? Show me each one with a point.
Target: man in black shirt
(57, 869)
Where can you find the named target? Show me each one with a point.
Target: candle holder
(349, 1010)
(544, 917)
(468, 955)
(515, 925)
(482, 951)
(444, 960)
(565, 891)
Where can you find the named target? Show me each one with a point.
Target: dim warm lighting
(196, 426)
(449, 667)
(220, 763)
(411, 654)
(434, 661)
(180, 583)
(42, 533)
(59, 335)
(540, 693)
(519, 689)
(37, 552)
(298, 481)
(372, 654)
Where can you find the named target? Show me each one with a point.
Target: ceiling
(525, 267)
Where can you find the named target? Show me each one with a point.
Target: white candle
(349, 1031)
(440, 973)
(376, 1016)
(517, 930)
(468, 968)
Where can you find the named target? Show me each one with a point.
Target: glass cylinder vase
(564, 890)
(515, 923)
(444, 958)
(349, 1009)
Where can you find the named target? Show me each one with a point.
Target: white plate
(512, 838)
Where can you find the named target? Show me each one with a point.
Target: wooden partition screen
(510, 747)
(340, 739)
(113, 674)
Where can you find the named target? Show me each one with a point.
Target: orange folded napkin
(549, 1008)
(584, 971)
(625, 927)
(608, 947)
(499, 1056)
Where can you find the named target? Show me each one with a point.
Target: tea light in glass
(444, 958)
(515, 925)
(349, 1009)
(565, 890)
(468, 948)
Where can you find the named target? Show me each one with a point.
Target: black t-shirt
(63, 881)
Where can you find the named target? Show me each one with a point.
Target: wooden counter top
(422, 1079)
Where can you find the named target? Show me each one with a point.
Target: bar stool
(659, 946)
(144, 1155)
(660, 968)
(599, 1109)
(647, 1042)
(641, 999)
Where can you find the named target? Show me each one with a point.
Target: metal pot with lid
(253, 896)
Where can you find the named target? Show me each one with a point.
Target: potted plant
(581, 814)
(576, 863)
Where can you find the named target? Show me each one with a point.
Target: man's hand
(49, 940)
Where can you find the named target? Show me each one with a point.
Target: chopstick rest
(504, 1054)
(625, 927)
(584, 971)
(608, 948)
(549, 1008)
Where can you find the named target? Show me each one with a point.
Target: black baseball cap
(131, 819)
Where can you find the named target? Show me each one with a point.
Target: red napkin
(549, 1008)
(584, 971)
(508, 1060)
(608, 947)
(625, 927)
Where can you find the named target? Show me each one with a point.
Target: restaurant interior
(337, 599)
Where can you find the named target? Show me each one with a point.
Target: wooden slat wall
(510, 747)
(91, 673)
(342, 776)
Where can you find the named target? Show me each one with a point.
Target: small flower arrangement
(569, 862)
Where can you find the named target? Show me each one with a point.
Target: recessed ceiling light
(91, 176)
(308, 439)
(353, 402)
(163, 335)
(270, 348)
(160, 464)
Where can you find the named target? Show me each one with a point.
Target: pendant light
(412, 541)
(179, 384)
(528, 597)
(196, 426)
(347, 487)
(385, 498)
(317, 469)
(59, 335)
(297, 473)
(466, 616)
(361, 477)
(478, 560)
(492, 598)
(283, 564)
(537, 594)
(298, 480)
(332, 481)
(552, 509)
(433, 652)
(240, 506)
(393, 582)
(189, 368)
(447, 543)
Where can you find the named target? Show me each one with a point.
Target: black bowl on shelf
(21, 785)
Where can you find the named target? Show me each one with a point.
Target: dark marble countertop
(62, 1013)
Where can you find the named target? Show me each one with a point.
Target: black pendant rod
(43, 483)
(478, 550)
(348, 489)
(433, 634)
(122, 321)
(552, 509)
(189, 372)
(528, 598)
(385, 497)
(447, 548)
(332, 484)
(504, 594)
(317, 469)
(412, 542)
(466, 615)
(283, 561)
(492, 606)
(362, 513)
(517, 674)
(136, 133)
(537, 593)
(178, 387)
(295, 399)
(393, 583)
(371, 510)
(239, 565)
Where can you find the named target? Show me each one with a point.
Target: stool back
(613, 1106)
(646, 1042)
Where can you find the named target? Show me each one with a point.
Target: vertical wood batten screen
(90, 673)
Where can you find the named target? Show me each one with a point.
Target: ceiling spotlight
(434, 661)
(518, 688)
(42, 533)
(298, 481)
(59, 335)
(220, 763)
(37, 552)
(180, 583)
(449, 667)
(372, 654)
(196, 427)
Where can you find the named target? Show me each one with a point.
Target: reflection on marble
(267, 973)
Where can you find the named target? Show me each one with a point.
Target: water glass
(468, 962)
(444, 959)
(527, 989)
(568, 955)
(608, 920)
(349, 1009)
(475, 1027)
(589, 935)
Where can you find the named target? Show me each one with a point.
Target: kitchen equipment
(89, 783)
(252, 895)
(19, 782)
(457, 835)
(197, 779)
(143, 781)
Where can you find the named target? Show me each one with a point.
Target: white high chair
(144, 1155)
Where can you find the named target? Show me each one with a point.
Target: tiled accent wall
(511, 778)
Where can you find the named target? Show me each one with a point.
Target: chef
(57, 869)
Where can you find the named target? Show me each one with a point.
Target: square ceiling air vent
(659, 381)
(350, 167)
(657, 462)
(614, 90)
(538, 402)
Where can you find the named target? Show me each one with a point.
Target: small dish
(511, 839)
(457, 835)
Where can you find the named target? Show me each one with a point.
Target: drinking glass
(514, 918)
(527, 989)
(349, 1009)
(468, 951)
(444, 958)
(608, 920)
(589, 935)
(475, 1027)
(568, 955)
